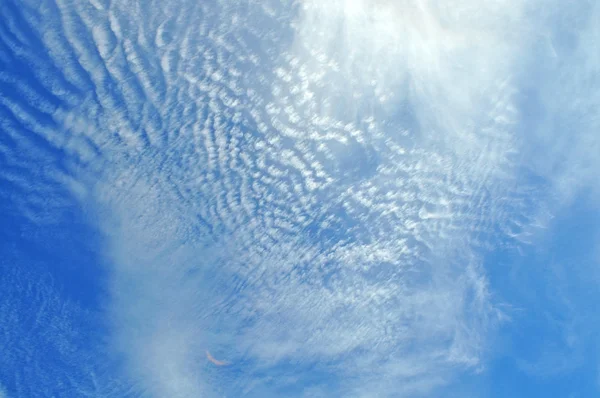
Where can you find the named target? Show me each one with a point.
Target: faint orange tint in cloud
(215, 361)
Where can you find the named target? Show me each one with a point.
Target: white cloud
(304, 188)
(301, 298)
(563, 144)
(445, 60)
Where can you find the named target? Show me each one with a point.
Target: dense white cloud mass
(308, 186)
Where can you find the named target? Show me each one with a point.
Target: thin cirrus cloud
(291, 176)
(300, 186)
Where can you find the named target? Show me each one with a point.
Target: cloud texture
(307, 190)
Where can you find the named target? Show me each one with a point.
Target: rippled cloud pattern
(344, 198)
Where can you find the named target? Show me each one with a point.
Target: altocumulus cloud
(304, 189)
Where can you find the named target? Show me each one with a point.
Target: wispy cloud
(562, 144)
(349, 239)
(295, 187)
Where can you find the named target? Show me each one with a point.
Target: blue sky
(357, 198)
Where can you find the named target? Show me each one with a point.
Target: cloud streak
(215, 361)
